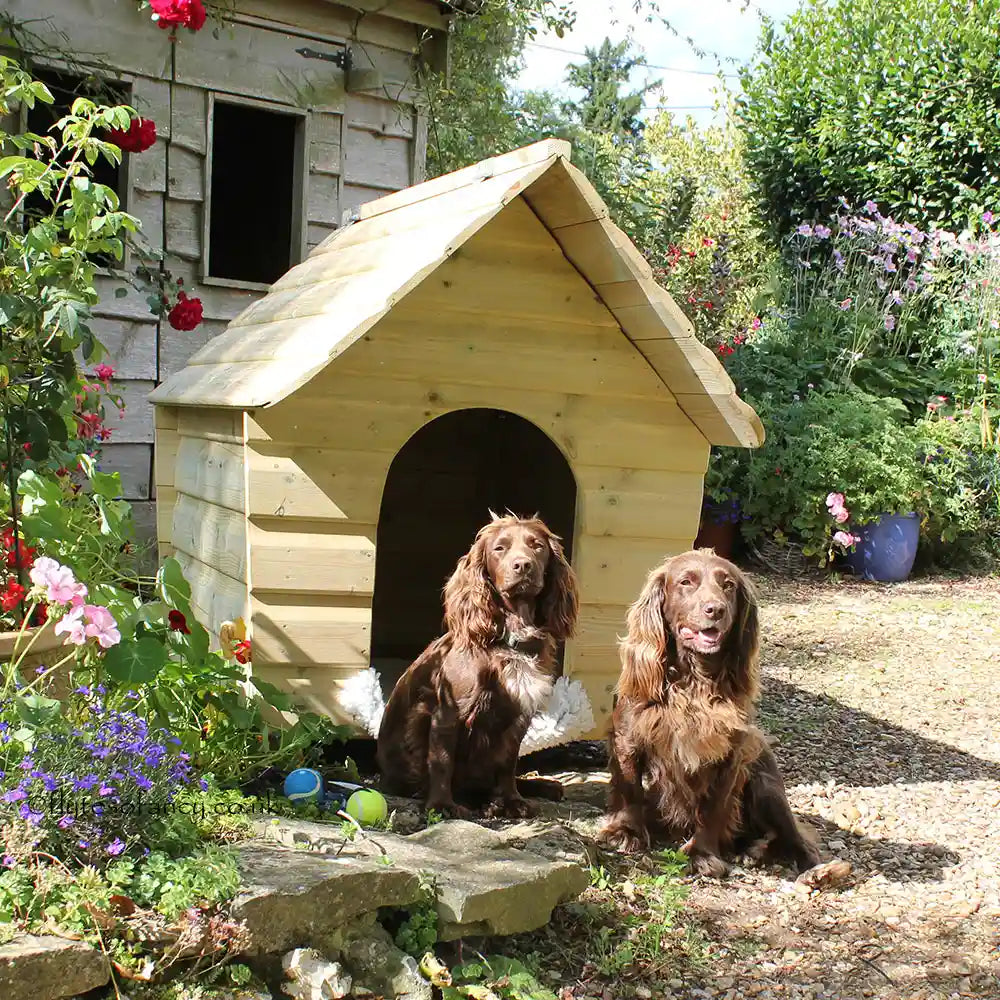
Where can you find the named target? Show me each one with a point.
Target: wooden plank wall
(507, 323)
(203, 518)
(360, 147)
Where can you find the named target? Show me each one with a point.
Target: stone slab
(49, 968)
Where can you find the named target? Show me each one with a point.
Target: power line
(667, 69)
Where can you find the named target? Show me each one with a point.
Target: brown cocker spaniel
(454, 723)
(686, 759)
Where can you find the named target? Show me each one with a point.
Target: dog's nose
(711, 610)
(520, 566)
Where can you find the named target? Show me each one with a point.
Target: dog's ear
(471, 611)
(559, 602)
(746, 644)
(644, 649)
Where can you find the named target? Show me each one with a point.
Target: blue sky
(728, 29)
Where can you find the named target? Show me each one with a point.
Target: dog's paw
(705, 863)
(450, 810)
(622, 835)
(512, 808)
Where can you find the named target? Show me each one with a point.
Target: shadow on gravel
(821, 738)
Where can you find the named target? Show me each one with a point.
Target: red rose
(23, 555)
(40, 616)
(179, 13)
(178, 622)
(186, 315)
(11, 595)
(241, 650)
(137, 138)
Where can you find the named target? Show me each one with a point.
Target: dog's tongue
(706, 635)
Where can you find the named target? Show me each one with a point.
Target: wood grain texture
(215, 596)
(211, 534)
(211, 471)
(317, 633)
(135, 425)
(133, 462)
(307, 562)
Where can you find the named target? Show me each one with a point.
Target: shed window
(65, 89)
(254, 228)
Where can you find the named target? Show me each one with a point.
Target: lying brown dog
(686, 759)
(454, 723)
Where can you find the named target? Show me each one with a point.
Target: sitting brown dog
(686, 759)
(454, 723)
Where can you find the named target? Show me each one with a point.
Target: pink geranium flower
(71, 625)
(61, 587)
(840, 514)
(845, 538)
(835, 500)
(102, 626)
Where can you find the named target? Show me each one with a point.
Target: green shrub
(897, 102)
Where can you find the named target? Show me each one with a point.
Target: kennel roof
(352, 279)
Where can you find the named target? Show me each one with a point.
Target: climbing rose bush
(179, 13)
(137, 138)
(186, 314)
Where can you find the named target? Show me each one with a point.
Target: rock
(313, 977)
(379, 967)
(483, 885)
(47, 968)
(293, 898)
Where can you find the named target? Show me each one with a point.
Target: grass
(629, 925)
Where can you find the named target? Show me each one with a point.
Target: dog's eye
(686, 582)
(728, 584)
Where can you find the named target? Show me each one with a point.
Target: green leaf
(173, 589)
(136, 662)
(36, 710)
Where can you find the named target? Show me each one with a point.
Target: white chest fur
(525, 681)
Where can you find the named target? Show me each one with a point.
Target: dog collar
(531, 646)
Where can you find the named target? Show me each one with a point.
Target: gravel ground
(886, 702)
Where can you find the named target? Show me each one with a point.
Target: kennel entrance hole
(440, 489)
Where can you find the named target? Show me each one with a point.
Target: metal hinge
(341, 58)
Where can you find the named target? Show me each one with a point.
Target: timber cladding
(332, 453)
(359, 139)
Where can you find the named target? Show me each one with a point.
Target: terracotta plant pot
(47, 649)
(721, 537)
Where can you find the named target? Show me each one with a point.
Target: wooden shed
(484, 340)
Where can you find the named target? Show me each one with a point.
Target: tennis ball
(367, 807)
(304, 785)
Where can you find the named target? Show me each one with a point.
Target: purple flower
(890, 265)
(988, 217)
(116, 847)
(890, 321)
(27, 813)
(9, 861)
(105, 790)
(822, 232)
(15, 795)
(870, 207)
(805, 229)
(897, 298)
(838, 260)
(65, 821)
(910, 285)
(83, 843)
(203, 784)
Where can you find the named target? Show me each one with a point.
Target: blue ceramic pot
(887, 548)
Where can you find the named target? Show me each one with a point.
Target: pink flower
(988, 217)
(835, 500)
(981, 377)
(61, 587)
(841, 514)
(72, 625)
(102, 626)
(104, 372)
(845, 538)
(845, 305)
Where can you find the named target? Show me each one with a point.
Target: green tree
(894, 102)
(605, 108)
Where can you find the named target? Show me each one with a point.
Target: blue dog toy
(304, 785)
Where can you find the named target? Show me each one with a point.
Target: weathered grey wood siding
(364, 136)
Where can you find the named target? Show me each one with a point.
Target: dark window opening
(254, 211)
(41, 119)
